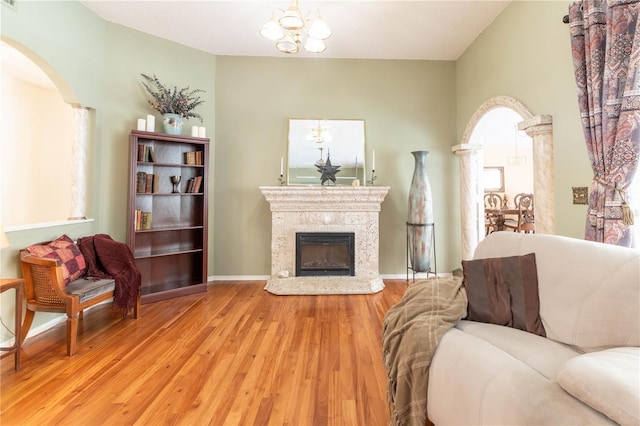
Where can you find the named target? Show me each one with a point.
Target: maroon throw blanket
(105, 258)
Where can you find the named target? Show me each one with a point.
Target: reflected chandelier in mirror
(314, 141)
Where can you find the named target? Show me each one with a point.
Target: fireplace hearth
(325, 254)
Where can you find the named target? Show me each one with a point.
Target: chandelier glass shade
(293, 29)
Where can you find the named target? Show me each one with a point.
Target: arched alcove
(45, 142)
(540, 129)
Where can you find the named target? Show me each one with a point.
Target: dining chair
(492, 204)
(525, 221)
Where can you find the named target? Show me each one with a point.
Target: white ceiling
(427, 29)
(374, 29)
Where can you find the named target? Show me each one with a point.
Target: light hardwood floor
(236, 355)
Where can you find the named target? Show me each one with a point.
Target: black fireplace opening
(325, 254)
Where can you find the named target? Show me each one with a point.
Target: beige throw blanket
(411, 331)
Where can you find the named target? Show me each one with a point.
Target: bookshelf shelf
(167, 253)
(167, 231)
(147, 163)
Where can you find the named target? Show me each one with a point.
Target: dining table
(500, 215)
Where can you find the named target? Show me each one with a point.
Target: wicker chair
(46, 292)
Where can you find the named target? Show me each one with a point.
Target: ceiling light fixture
(292, 29)
(515, 159)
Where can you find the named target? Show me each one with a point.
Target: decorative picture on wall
(493, 179)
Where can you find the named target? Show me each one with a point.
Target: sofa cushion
(589, 293)
(539, 353)
(64, 249)
(474, 382)
(608, 381)
(504, 291)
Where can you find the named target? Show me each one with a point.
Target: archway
(540, 129)
(48, 127)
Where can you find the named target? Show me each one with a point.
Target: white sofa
(586, 371)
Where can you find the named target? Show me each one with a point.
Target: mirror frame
(299, 151)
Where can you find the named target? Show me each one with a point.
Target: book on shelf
(155, 183)
(147, 183)
(146, 154)
(142, 220)
(141, 179)
(193, 158)
(146, 220)
(190, 158)
(194, 184)
(197, 184)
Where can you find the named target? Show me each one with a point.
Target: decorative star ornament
(328, 171)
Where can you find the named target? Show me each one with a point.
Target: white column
(79, 150)
(540, 129)
(471, 202)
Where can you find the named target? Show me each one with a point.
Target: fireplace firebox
(325, 253)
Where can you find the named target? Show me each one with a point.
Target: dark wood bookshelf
(171, 252)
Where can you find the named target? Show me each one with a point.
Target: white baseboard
(421, 275)
(266, 277)
(34, 331)
(239, 278)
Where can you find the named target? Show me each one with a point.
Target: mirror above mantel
(313, 141)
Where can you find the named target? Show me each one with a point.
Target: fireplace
(325, 254)
(333, 210)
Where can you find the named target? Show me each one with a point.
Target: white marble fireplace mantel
(324, 209)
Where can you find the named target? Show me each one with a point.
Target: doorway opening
(470, 152)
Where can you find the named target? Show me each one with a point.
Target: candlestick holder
(373, 178)
(281, 179)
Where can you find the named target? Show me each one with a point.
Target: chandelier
(319, 134)
(515, 159)
(292, 29)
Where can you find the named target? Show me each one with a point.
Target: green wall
(526, 54)
(97, 64)
(129, 53)
(406, 105)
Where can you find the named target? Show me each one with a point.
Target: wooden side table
(18, 285)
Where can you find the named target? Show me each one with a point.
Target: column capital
(537, 125)
(465, 148)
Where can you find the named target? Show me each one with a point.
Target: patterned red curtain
(606, 56)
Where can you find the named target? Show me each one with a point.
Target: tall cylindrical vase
(420, 217)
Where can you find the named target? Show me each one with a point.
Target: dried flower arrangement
(172, 101)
